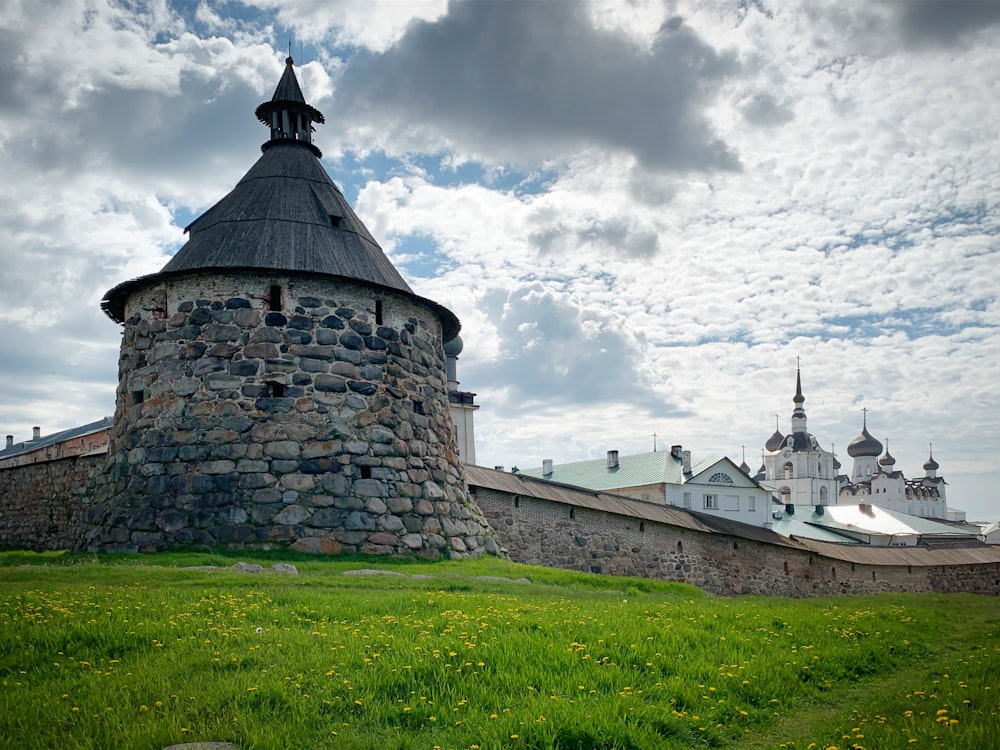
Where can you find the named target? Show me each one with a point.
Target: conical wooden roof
(285, 215)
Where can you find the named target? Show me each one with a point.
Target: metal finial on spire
(775, 421)
(654, 442)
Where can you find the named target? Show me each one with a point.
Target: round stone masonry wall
(279, 410)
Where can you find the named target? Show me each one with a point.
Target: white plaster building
(716, 486)
(876, 480)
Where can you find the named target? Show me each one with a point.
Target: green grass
(134, 651)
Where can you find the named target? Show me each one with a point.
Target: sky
(645, 213)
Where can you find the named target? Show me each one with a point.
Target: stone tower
(280, 383)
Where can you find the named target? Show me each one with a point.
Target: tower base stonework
(320, 423)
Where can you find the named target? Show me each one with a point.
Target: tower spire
(799, 412)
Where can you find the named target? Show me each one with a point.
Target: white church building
(801, 473)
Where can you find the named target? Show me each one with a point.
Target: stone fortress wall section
(282, 409)
(41, 507)
(42, 502)
(542, 532)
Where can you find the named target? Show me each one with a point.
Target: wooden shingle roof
(286, 215)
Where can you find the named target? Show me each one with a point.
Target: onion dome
(931, 464)
(864, 444)
(887, 460)
(836, 463)
(745, 468)
(775, 441)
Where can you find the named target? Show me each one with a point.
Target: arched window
(823, 499)
(720, 478)
(787, 469)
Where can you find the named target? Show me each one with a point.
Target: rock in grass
(285, 568)
(247, 567)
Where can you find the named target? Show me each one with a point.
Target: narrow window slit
(378, 312)
(276, 390)
(274, 298)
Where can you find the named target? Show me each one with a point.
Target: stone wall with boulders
(42, 503)
(543, 532)
(301, 411)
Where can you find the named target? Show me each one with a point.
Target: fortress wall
(41, 508)
(41, 503)
(543, 532)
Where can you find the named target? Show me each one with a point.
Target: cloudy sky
(643, 212)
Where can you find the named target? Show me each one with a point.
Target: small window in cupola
(337, 222)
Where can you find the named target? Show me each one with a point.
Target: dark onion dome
(887, 459)
(745, 468)
(864, 445)
(775, 441)
(931, 464)
(836, 463)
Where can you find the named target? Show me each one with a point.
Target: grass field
(136, 652)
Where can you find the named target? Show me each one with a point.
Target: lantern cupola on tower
(288, 115)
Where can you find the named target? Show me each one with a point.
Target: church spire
(799, 413)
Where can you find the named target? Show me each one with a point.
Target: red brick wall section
(41, 504)
(541, 532)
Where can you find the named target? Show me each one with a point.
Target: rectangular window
(276, 390)
(731, 502)
(274, 298)
(752, 503)
(712, 502)
(687, 499)
(418, 407)
(378, 312)
(335, 221)
(138, 397)
(366, 472)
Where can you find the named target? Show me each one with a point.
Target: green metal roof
(632, 471)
